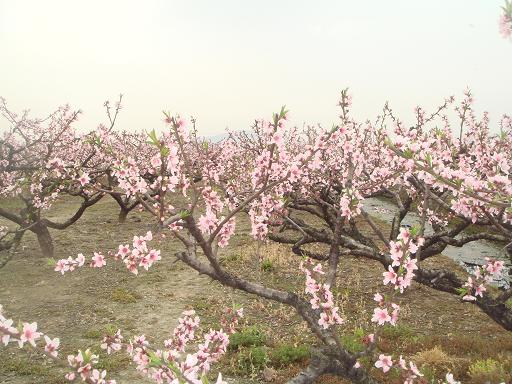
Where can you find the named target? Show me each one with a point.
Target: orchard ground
(438, 331)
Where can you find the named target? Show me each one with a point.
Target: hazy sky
(228, 62)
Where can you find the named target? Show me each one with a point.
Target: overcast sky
(228, 62)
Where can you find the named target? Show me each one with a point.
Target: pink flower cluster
(82, 363)
(25, 333)
(227, 230)
(409, 371)
(128, 175)
(350, 203)
(385, 314)
(209, 221)
(172, 364)
(482, 275)
(322, 297)
(57, 166)
(184, 331)
(112, 343)
(260, 214)
(400, 252)
(137, 256)
(69, 264)
(388, 312)
(83, 367)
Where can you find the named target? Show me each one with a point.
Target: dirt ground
(437, 330)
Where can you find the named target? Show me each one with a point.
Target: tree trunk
(123, 213)
(44, 239)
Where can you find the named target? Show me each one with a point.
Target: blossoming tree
(282, 178)
(41, 160)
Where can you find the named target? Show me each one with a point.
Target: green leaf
(86, 355)
(462, 291)
(275, 117)
(184, 214)
(175, 369)
(154, 360)
(51, 262)
(429, 159)
(164, 151)
(283, 112)
(154, 139)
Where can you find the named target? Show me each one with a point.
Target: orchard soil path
(81, 306)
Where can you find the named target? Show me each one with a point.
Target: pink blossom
(51, 346)
(380, 316)
(84, 179)
(207, 222)
(124, 250)
(29, 334)
(390, 276)
(505, 26)
(480, 290)
(6, 325)
(384, 362)
(98, 260)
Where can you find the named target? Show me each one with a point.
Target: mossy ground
(82, 306)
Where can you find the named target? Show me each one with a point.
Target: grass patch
(201, 304)
(286, 354)
(124, 296)
(488, 371)
(99, 333)
(93, 333)
(353, 342)
(463, 344)
(434, 362)
(24, 367)
(398, 332)
(249, 337)
(267, 266)
(252, 360)
(113, 363)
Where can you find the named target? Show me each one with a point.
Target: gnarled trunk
(44, 238)
(123, 213)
